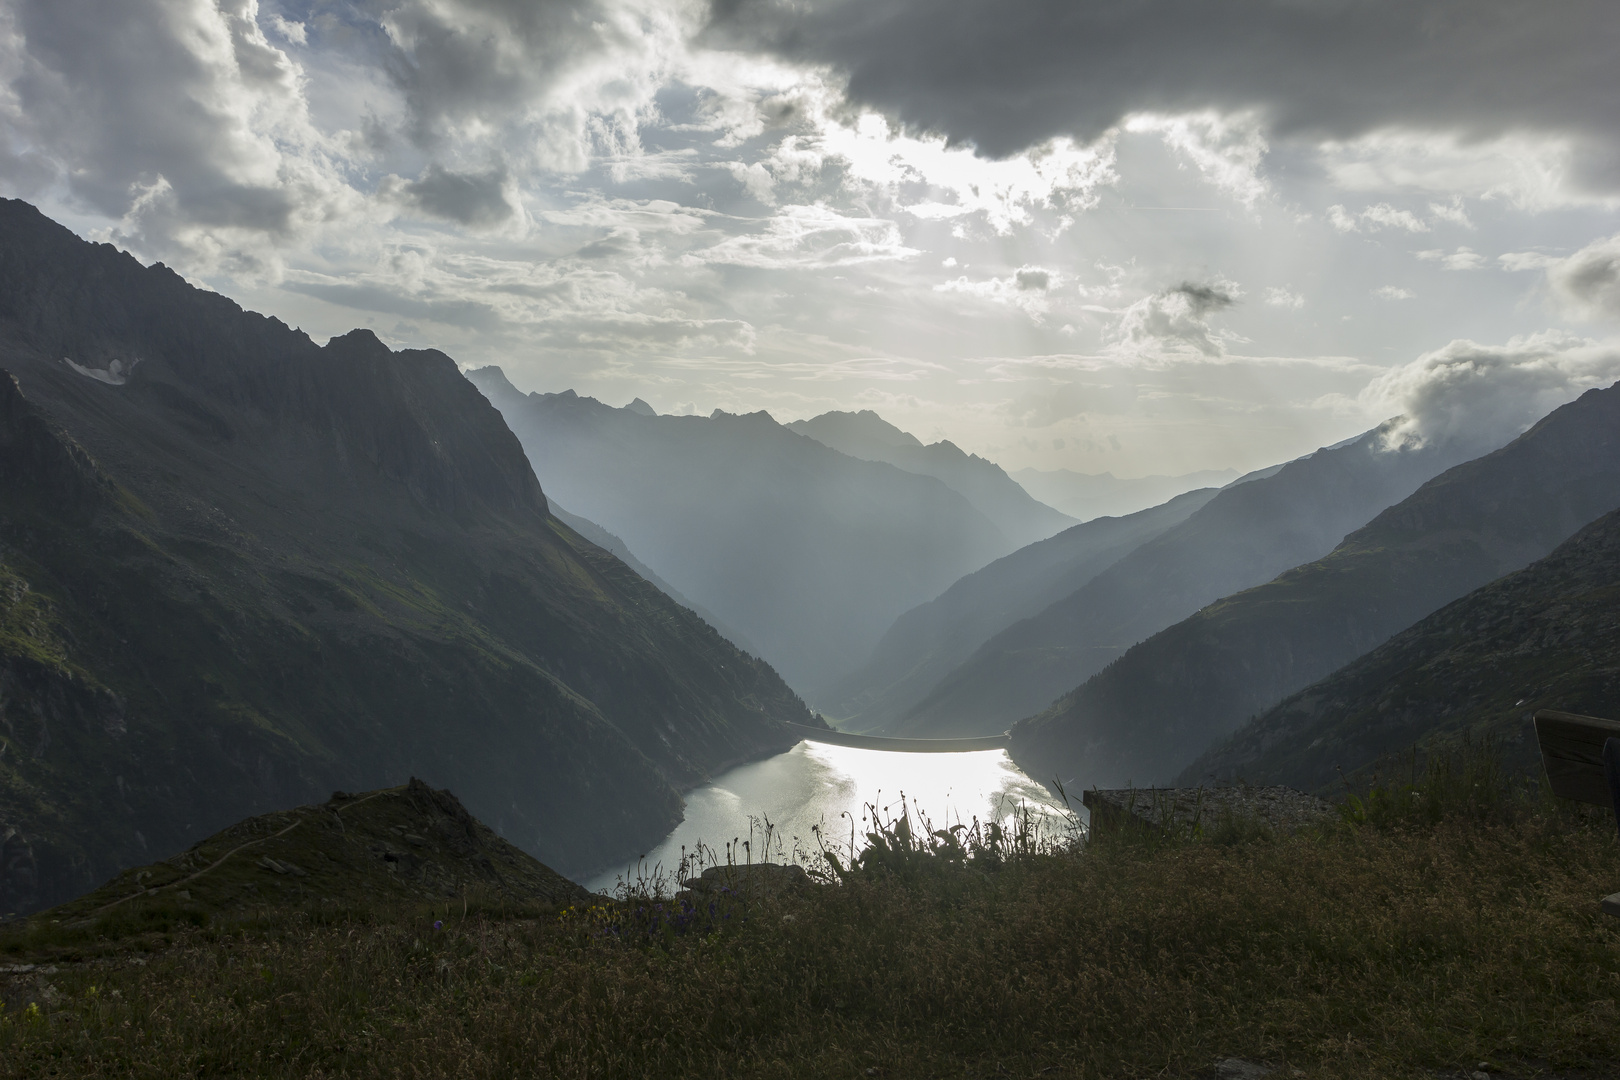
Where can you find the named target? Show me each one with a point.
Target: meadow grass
(1437, 926)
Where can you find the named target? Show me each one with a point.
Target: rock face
(261, 569)
(1546, 637)
(1148, 714)
(409, 843)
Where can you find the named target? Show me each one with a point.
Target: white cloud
(1176, 321)
(1377, 216)
(1463, 258)
(1026, 288)
(1393, 292)
(802, 237)
(1227, 150)
(1484, 395)
(1515, 261)
(1530, 172)
(295, 33)
(1284, 298)
(1588, 282)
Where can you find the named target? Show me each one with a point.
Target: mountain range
(239, 570)
(1084, 496)
(1545, 637)
(1248, 533)
(809, 553)
(1143, 718)
(927, 642)
(983, 483)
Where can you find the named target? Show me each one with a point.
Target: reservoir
(835, 786)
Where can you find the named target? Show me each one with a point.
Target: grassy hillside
(1445, 937)
(261, 570)
(1547, 636)
(1150, 712)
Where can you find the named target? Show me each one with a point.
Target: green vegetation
(1447, 920)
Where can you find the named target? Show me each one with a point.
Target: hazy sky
(1137, 235)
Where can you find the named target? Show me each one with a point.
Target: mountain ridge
(1144, 716)
(1248, 533)
(1543, 637)
(248, 570)
(807, 551)
(983, 483)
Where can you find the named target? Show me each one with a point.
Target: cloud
(1283, 298)
(1515, 261)
(799, 237)
(176, 118)
(1484, 395)
(1588, 282)
(1463, 258)
(1176, 320)
(1393, 292)
(1379, 216)
(476, 199)
(1026, 288)
(1007, 76)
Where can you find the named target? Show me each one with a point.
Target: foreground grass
(1356, 952)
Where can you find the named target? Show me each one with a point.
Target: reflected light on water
(817, 783)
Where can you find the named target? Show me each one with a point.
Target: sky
(1141, 236)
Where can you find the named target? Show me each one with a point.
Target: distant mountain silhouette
(928, 641)
(808, 552)
(1250, 532)
(1545, 637)
(251, 569)
(605, 540)
(1084, 496)
(868, 436)
(1146, 715)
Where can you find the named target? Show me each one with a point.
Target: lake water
(817, 783)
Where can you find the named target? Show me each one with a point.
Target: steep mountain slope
(1092, 495)
(809, 552)
(928, 641)
(1246, 535)
(240, 570)
(1148, 713)
(867, 436)
(616, 547)
(1545, 637)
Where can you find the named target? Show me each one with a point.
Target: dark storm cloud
(1203, 299)
(468, 198)
(1006, 74)
(459, 60)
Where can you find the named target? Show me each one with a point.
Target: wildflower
(438, 924)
